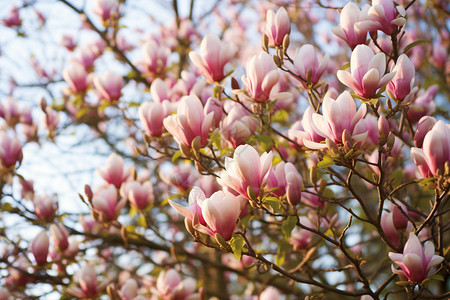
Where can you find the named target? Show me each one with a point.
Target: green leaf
(265, 142)
(413, 44)
(437, 277)
(396, 177)
(280, 116)
(288, 226)
(283, 247)
(273, 202)
(325, 162)
(176, 156)
(403, 283)
(236, 244)
(132, 212)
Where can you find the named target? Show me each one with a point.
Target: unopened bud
(277, 61)
(235, 84)
(286, 42)
(331, 145)
(196, 143)
(221, 241)
(390, 141)
(88, 192)
(265, 42)
(347, 139)
(251, 193)
(185, 150)
(383, 127)
(189, 227)
(313, 176)
(43, 105)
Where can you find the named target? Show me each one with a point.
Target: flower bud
(39, 247)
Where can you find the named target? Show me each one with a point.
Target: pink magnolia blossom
(10, 151)
(155, 57)
(246, 169)
(237, 126)
(67, 41)
(270, 293)
(368, 124)
(128, 291)
(431, 158)
(213, 57)
(287, 180)
(87, 280)
(209, 185)
(139, 195)
(366, 74)
(423, 127)
(115, 172)
(105, 8)
(423, 104)
(59, 235)
(106, 203)
(109, 85)
(304, 130)
(417, 262)
(262, 76)
(401, 85)
(45, 207)
(13, 19)
(349, 29)
(302, 238)
(393, 222)
(180, 176)
(169, 286)
(50, 118)
(277, 26)
(214, 105)
(338, 116)
(216, 215)
(385, 16)
(152, 114)
(86, 56)
(189, 122)
(9, 110)
(76, 76)
(39, 247)
(309, 65)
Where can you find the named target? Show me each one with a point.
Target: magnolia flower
(139, 195)
(431, 157)
(270, 293)
(105, 8)
(304, 130)
(114, 172)
(39, 247)
(45, 207)
(277, 26)
(109, 85)
(59, 235)
(155, 57)
(105, 202)
(401, 85)
(237, 126)
(10, 151)
(189, 122)
(393, 221)
(308, 65)
(366, 72)
(417, 262)
(152, 115)
(349, 29)
(213, 57)
(423, 127)
(216, 215)
(262, 76)
(385, 16)
(169, 286)
(339, 116)
(423, 104)
(247, 169)
(87, 280)
(287, 180)
(76, 76)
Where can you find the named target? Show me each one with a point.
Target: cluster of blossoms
(208, 145)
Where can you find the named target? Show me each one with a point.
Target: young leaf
(236, 243)
(288, 226)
